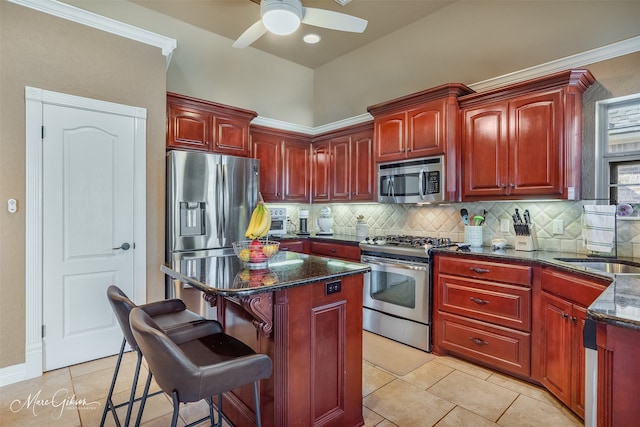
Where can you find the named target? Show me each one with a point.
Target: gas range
(402, 245)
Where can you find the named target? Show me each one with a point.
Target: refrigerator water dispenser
(192, 217)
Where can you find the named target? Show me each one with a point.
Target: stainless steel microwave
(412, 181)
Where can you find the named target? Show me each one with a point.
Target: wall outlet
(558, 226)
(504, 225)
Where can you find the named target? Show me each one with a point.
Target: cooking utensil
(478, 220)
(465, 216)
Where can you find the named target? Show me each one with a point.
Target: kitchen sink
(614, 266)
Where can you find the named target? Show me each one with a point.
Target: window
(618, 151)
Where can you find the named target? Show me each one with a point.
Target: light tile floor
(445, 391)
(441, 391)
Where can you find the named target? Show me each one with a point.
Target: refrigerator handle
(219, 205)
(225, 202)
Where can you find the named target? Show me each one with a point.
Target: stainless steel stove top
(415, 246)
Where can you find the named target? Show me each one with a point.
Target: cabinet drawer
(505, 305)
(498, 347)
(336, 250)
(572, 286)
(292, 246)
(501, 272)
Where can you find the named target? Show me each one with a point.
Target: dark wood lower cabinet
(315, 343)
(618, 376)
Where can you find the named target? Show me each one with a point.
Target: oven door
(398, 288)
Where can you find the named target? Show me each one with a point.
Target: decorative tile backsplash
(445, 221)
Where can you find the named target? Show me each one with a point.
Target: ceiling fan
(283, 17)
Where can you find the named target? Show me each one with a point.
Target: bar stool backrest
(122, 307)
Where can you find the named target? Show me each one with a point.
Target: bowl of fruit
(255, 253)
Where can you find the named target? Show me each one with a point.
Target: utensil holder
(473, 235)
(527, 243)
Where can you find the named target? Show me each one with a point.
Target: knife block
(527, 243)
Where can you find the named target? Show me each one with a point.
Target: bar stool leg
(143, 399)
(133, 389)
(108, 406)
(176, 409)
(256, 397)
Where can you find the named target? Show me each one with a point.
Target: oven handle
(417, 267)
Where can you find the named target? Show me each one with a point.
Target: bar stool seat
(195, 368)
(171, 316)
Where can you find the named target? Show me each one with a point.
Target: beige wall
(428, 53)
(206, 66)
(42, 51)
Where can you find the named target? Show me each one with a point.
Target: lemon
(244, 255)
(269, 250)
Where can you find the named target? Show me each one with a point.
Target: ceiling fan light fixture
(281, 17)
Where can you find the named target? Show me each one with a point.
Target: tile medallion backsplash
(445, 221)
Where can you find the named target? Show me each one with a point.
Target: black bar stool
(170, 315)
(207, 363)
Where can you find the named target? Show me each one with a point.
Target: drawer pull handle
(478, 341)
(480, 270)
(333, 251)
(479, 301)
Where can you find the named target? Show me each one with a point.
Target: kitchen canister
(473, 235)
(362, 228)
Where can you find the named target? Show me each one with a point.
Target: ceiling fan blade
(251, 34)
(333, 20)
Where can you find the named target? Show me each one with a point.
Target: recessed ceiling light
(311, 38)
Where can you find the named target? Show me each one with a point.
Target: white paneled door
(88, 230)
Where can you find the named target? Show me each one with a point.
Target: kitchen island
(305, 312)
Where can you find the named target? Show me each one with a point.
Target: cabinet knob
(512, 185)
(564, 315)
(503, 185)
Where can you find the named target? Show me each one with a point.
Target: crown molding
(579, 60)
(80, 16)
(309, 130)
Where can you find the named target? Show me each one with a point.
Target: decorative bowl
(255, 252)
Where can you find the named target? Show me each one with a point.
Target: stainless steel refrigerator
(210, 198)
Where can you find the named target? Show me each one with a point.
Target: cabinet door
(555, 359)
(321, 171)
(268, 149)
(577, 370)
(231, 136)
(390, 137)
(188, 128)
(341, 168)
(297, 172)
(425, 130)
(362, 167)
(535, 145)
(484, 151)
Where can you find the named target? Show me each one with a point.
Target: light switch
(558, 226)
(12, 205)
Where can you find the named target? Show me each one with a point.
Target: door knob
(125, 247)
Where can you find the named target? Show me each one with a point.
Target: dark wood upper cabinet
(285, 164)
(422, 124)
(196, 124)
(524, 140)
(343, 167)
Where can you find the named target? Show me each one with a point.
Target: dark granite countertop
(619, 304)
(284, 270)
